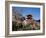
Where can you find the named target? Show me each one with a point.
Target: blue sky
(28, 10)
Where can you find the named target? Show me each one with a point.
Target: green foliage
(20, 26)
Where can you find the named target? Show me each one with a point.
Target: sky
(35, 12)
